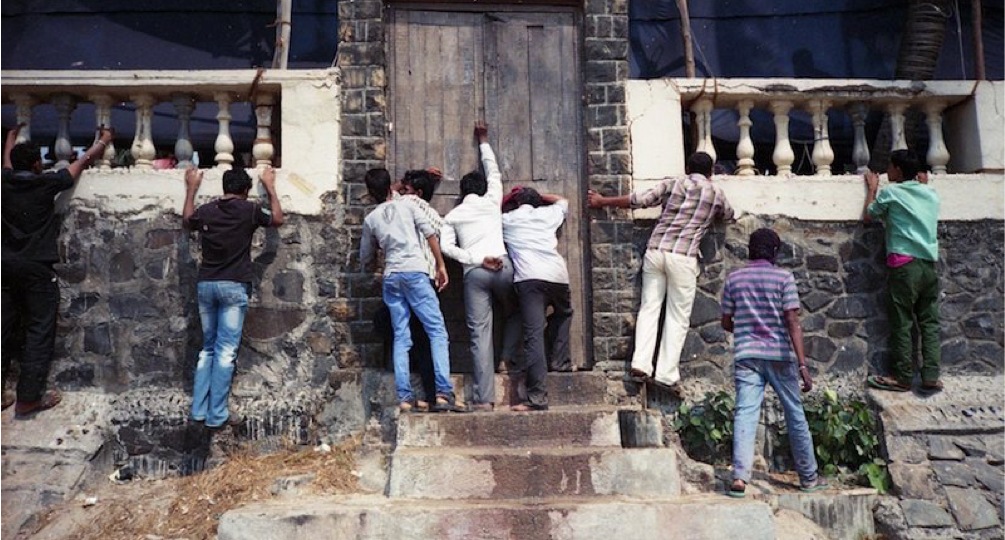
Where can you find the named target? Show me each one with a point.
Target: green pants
(914, 294)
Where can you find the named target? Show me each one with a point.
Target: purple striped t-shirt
(757, 296)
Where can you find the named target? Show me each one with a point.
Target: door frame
(574, 7)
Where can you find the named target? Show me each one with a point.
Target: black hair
(236, 181)
(907, 162)
(473, 183)
(378, 184)
(764, 244)
(700, 163)
(524, 196)
(424, 182)
(24, 156)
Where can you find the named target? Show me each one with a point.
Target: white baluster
(783, 156)
(745, 147)
(183, 106)
(103, 118)
(860, 149)
(262, 150)
(822, 154)
(64, 149)
(224, 145)
(938, 154)
(23, 104)
(703, 116)
(143, 150)
(897, 132)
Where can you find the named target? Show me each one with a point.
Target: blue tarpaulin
(800, 38)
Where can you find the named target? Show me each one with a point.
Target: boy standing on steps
(395, 227)
(760, 306)
(473, 236)
(910, 211)
(530, 223)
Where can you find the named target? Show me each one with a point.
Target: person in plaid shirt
(691, 204)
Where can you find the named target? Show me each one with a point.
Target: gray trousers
(481, 286)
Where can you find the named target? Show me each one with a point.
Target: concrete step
(578, 388)
(558, 427)
(516, 473)
(703, 517)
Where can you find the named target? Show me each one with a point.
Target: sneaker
(449, 403)
(817, 485)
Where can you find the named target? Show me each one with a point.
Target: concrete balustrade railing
(964, 120)
(309, 120)
(145, 89)
(818, 97)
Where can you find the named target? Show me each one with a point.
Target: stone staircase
(589, 468)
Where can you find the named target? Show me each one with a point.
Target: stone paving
(946, 460)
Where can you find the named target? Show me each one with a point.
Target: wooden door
(517, 70)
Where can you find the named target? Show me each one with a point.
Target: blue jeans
(750, 377)
(404, 293)
(222, 305)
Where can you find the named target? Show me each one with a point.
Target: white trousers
(674, 277)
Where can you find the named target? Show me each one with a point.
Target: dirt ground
(190, 507)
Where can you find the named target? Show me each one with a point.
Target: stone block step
(516, 473)
(559, 427)
(578, 388)
(705, 517)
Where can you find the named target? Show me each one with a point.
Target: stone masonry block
(971, 510)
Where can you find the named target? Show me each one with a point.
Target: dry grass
(190, 507)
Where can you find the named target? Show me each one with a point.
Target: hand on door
(481, 132)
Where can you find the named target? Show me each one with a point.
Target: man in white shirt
(472, 235)
(541, 279)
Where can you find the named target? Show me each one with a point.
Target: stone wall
(612, 258)
(839, 268)
(129, 326)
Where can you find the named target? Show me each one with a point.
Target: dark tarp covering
(799, 38)
(181, 34)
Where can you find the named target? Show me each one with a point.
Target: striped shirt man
(692, 204)
(757, 296)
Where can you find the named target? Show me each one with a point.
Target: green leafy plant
(706, 428)
(846, 436)
(845, 433)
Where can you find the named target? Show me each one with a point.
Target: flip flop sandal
(737, 493)
(639, 373)
(886, 383)
(930, 388)
(49, 400)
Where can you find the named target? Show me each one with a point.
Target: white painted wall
(654, 112)
(974, 130)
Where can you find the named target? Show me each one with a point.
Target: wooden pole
(977, 23)
(685, 32)
(284, 15)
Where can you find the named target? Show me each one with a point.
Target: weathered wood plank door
(517, 70)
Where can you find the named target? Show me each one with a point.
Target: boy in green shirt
(910, 211)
